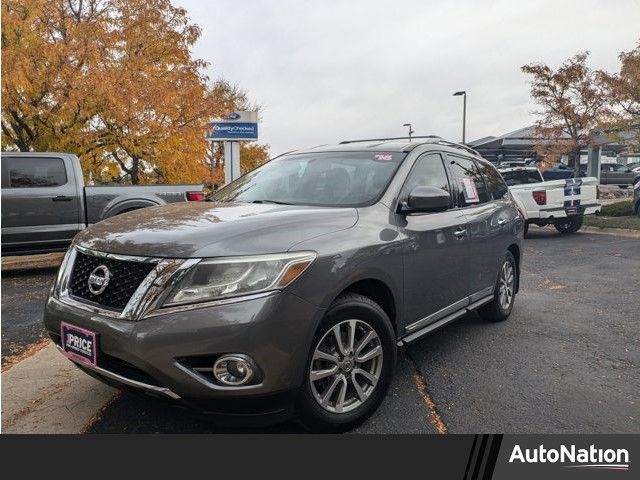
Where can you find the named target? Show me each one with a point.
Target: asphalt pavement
(24, 293)
(566, 361)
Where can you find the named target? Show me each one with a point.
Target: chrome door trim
(454, 307)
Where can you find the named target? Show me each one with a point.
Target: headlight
(220, 278)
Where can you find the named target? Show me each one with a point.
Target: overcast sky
(328, 70)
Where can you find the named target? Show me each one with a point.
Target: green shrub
(618, 209)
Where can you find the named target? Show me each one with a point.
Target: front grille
(125, 277)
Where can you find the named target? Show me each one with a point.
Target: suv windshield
(331, 179)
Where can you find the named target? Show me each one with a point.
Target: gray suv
(288, 293)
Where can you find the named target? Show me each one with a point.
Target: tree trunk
(135, 171)
(574, 161)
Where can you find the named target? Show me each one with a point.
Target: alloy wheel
(346, 366)
(506, 285)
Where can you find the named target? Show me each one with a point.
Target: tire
(526, 230)
(624, 186)
(498, 310)
(366, 316)
(569, 224)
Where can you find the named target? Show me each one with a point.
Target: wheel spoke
(373, 353)
(341, 395)
(320, 355)
(352, 335)
(319, 374)
(361, 395)
(338, 337)
(329, 392)
(369, 376)
(367, 338)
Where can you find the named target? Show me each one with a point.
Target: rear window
(36, 172)
(495, 182)
(521, 177)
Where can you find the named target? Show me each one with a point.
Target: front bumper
(152, 354)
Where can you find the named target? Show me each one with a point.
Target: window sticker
(383, 157)
(470, 190)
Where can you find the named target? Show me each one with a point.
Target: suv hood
(207, 229)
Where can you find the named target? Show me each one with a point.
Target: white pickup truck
(562, 203)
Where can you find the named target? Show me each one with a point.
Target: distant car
(616, 174)
(512, 164)
(636, 195)
(560, 171)
(562, 203)
(635, 167)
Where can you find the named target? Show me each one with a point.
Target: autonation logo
(592, 457)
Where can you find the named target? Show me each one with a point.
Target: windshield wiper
(271, 201)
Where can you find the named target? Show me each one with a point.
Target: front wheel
(350, 366)
(504, 293)
(569, 224)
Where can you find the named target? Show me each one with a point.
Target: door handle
(502, 221)
(62, 198)
(461, 232)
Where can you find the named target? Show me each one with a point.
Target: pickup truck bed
(562, 203)
(45, 202)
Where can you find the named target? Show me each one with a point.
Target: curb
(46, 393)
(619, 232)
(28, 262)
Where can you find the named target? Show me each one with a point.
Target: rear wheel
(569, 224)
(504, 293)
(350, 366)
(526, 229)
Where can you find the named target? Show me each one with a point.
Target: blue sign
(232, 131)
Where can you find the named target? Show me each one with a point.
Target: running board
(444, 321)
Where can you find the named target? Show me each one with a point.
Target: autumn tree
(572, 101)
(623, 90)
(112, 81)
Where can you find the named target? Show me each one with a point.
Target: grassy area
(631, 223)
(617, 209)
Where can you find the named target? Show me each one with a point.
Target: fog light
(233, 370)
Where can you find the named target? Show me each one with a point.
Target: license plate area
(79, 344)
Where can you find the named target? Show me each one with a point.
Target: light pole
(464, 113)
(411, 132)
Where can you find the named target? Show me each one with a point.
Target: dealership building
(519, 145)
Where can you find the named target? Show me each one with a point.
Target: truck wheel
(350, 365)
(569, 224)
(504, 293)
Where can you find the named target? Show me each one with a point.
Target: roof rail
(434, 139)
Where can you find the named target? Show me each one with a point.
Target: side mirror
(427, 199)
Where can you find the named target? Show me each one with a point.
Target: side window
(428, 171)
(471, 187)
(494, 180)
(36, 172)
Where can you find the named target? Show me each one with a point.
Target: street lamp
(464, 112)
(411, 132)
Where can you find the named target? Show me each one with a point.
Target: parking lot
(568, 359)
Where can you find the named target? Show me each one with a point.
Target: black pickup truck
(45, 202)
